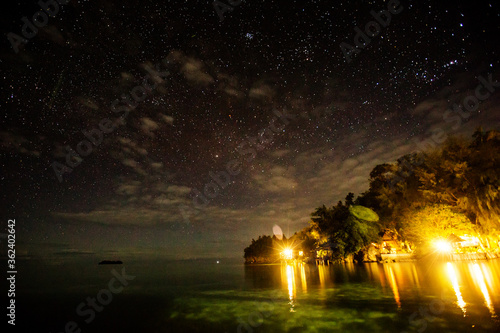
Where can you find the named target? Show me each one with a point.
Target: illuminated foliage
(461, 174)
(435, 221)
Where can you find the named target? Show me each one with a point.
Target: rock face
(111, 262)
(371, 254)
(368, 255)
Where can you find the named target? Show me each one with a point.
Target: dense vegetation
(450, 189)
(262, 250)
(345, 228)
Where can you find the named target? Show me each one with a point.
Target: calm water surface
(203, 296)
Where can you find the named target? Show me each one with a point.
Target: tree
(466, 176)
(347, 229)
(349, 199)
(303, 240)
(260, 250)
(424, 225)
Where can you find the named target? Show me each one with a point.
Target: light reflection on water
(289, 277)
(479, 280)
(470, 284)
(230, 297)
(456, 287)
(393, 283)
(303, 279)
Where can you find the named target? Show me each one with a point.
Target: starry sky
(266, 93)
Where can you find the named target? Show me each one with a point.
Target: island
(111, 262)
(438, 203)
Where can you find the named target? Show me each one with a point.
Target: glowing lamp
(288, 254)
(443, 246)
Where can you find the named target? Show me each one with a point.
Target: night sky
(266, 93)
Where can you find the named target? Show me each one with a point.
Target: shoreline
(398, 257)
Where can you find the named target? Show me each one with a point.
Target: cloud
(278, 184)
(261, 90)
(280, 152)
(192, 69)
(229, 84)
(18, 143)
(167, 119)
(274, 179)
(156, 165)
(164, 200)
(125, 216)
(179, 190)
(432, 110)
(130, 188)
(73, 252)
(148, 126)
(428, 106)
(130, 147)
(130, 162)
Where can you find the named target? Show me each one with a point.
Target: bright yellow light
(480, 280)
(290, 276)
(454, 282)
(394, 285)
(443, 246)
(303, 277)
(288, 254)
(301, 253)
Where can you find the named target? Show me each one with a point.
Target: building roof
(452, 238)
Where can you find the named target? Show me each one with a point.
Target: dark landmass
(111, 262)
